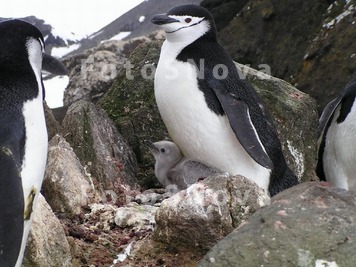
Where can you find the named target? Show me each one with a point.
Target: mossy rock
(130, 103)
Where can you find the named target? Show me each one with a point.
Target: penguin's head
(165, 152)
(186, 23)
(21, 46)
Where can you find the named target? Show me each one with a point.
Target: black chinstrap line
(187, 26)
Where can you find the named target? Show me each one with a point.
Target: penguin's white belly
(200, 134)
(34, 161)
(339, 159)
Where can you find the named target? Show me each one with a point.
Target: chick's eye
(188, 20)
(163, 150)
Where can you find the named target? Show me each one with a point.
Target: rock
(102, 150)
(136, 216)
(52, 124)
(66, 186)
(203, 214)
(305, 225)
(130, 103)
(104, 215)
(135, 113)
(47, 244)
(293, 38)
(330, 47)
(152, 196)
(223, 11)
(93, 71)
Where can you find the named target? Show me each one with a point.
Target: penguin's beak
(151, 145)
(162, 19)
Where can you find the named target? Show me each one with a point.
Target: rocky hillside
(307, 43)
(137, 22)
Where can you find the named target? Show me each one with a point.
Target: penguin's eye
(163, 150)
(188, 20)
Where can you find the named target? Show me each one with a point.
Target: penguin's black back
(213, 53)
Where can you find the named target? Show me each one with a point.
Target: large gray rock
(131, 104)
(306, 225)
(206, 212)
(92, 72)
(103, 152)
(53, 126)
(66, 186)
(47, 245)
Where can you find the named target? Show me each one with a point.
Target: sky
(77, 16)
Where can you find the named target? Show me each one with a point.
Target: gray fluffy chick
(175, 171)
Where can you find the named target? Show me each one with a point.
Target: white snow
(54, 90)
(351, 9)
(95, 34)
(120, 36)
(325, 263)
(142, 19)
(62, 51)
(121, 257)
(66, 36)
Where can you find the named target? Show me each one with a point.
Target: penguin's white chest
(201, 134)
(34, 162)
(339, 159)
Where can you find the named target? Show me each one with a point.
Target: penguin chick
(337, 140)
(175, 171)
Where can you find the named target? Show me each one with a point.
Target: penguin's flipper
(193, 170)
(238, 114)
(11, 209)
(327, 114)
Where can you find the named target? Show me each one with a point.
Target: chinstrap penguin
(23, 135)
(337, 140)
(212, 115)
(174, 171)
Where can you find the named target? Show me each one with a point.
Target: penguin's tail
(284, 181)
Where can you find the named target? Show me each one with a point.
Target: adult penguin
(23, 135)
(212, 115)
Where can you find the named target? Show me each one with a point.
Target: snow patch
(299, 159)
(324, 263)
(94, 35)
(142, 19)
(62, 51)
(122, 256)
(351, 9)
(54, 90)
(120, 36)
